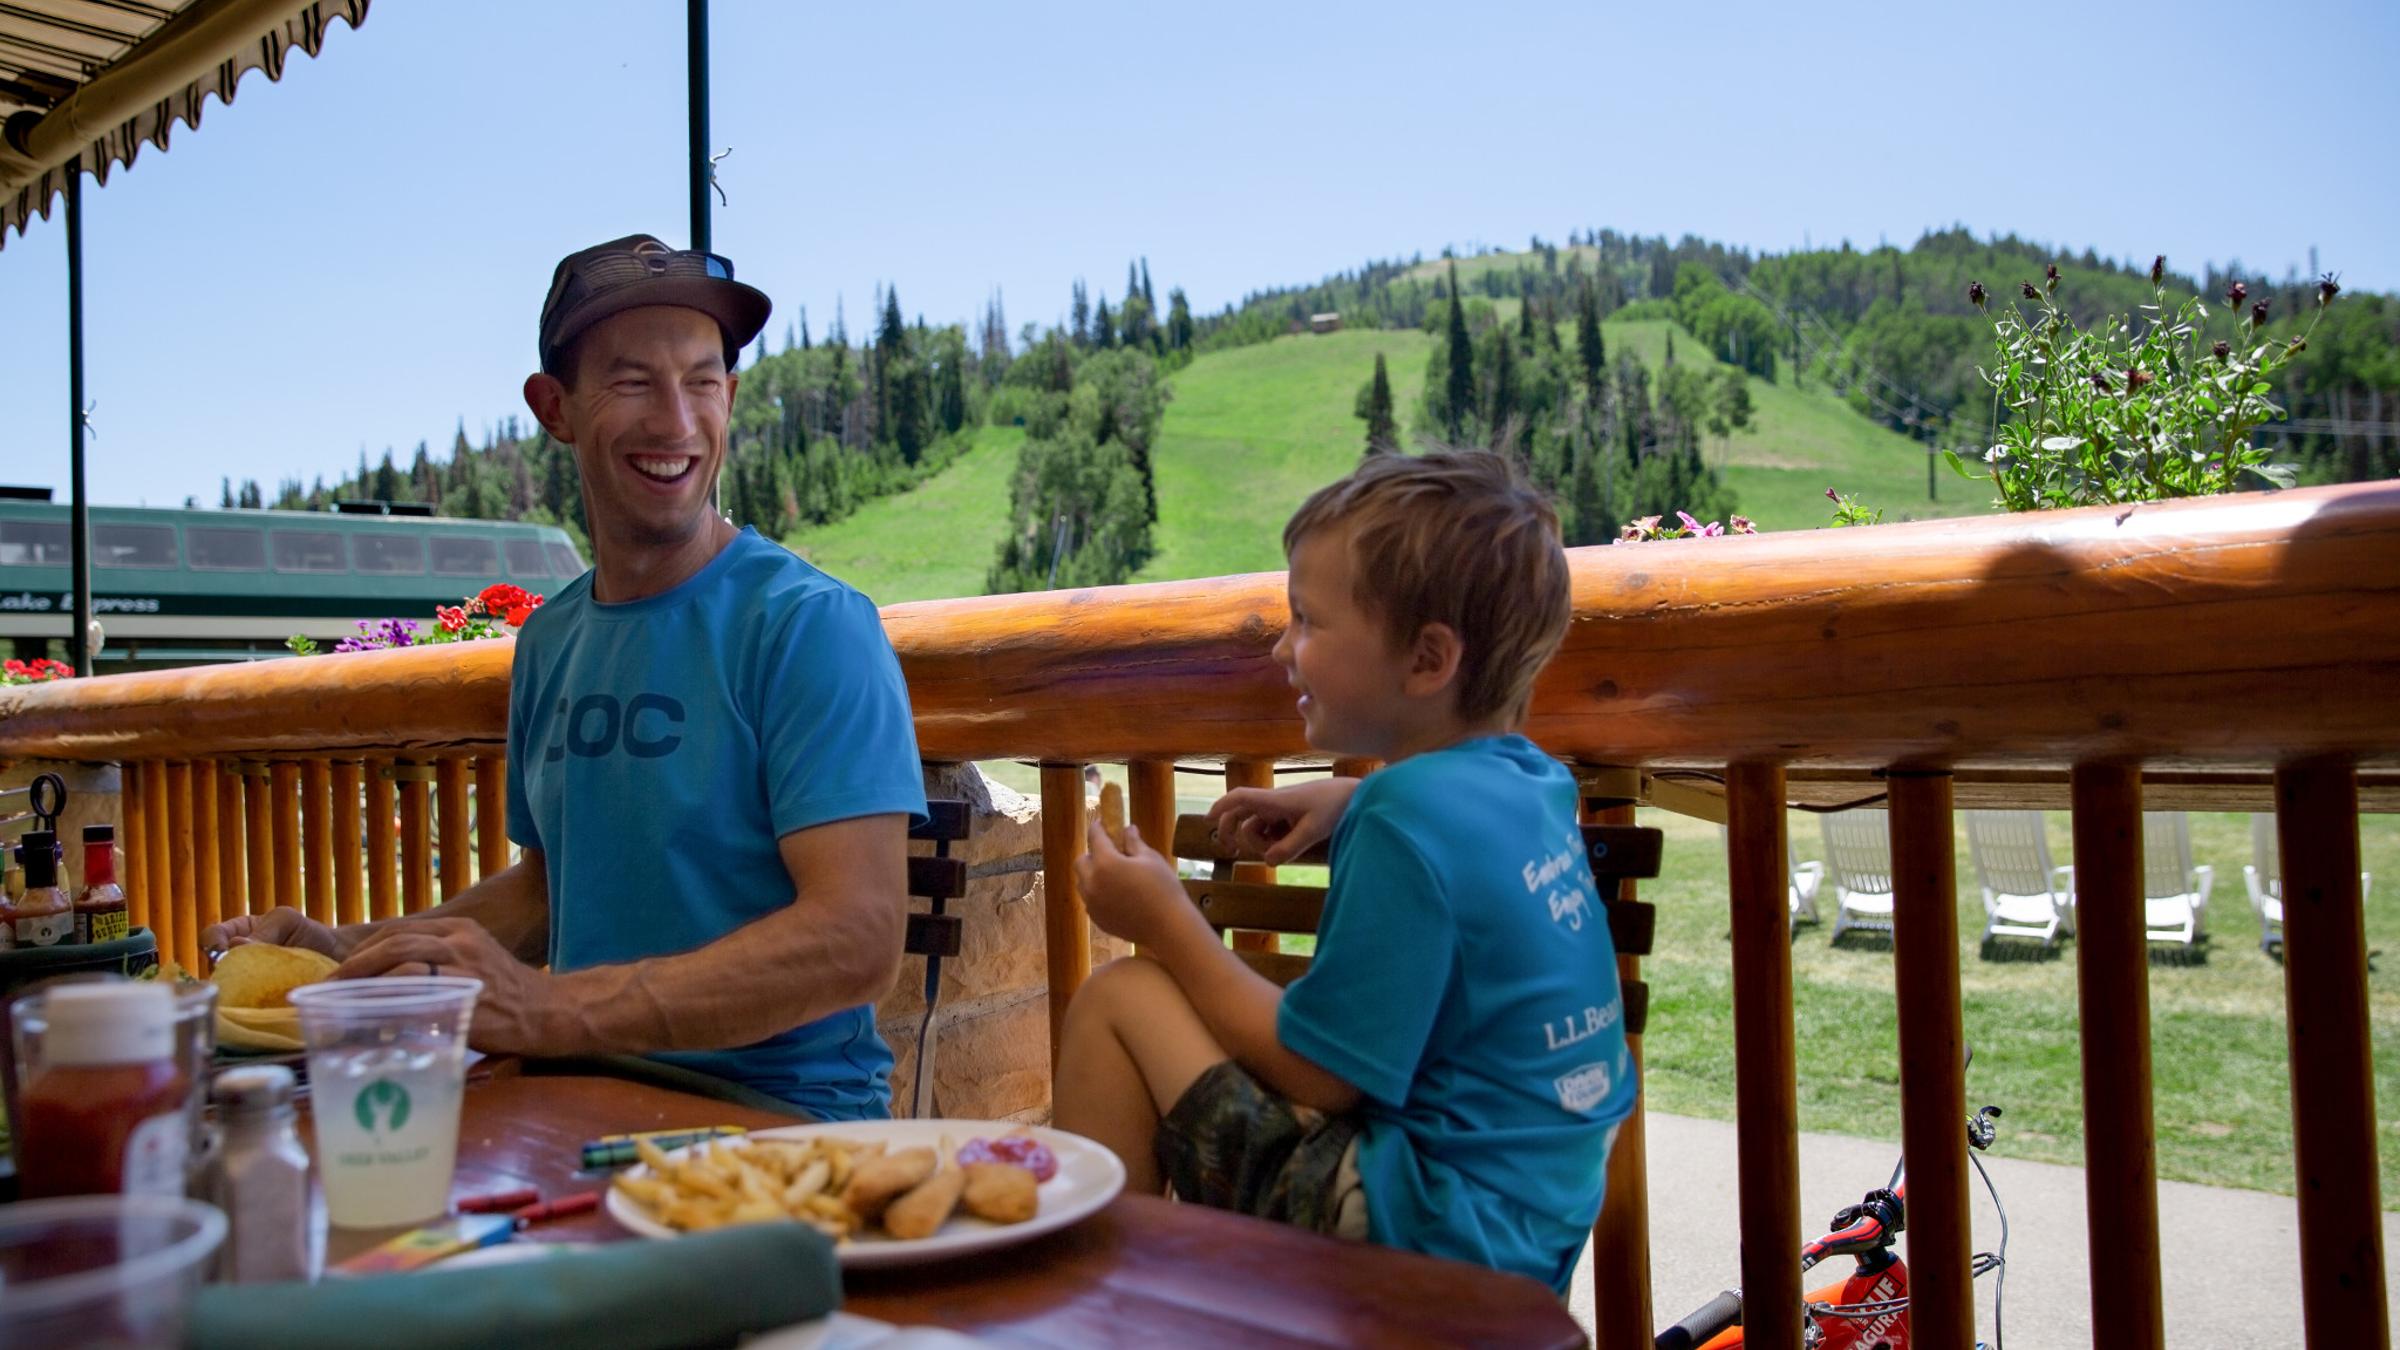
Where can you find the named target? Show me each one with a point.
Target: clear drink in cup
(386, 1070)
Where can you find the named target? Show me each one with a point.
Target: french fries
(845, 1188)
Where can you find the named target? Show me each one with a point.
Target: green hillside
(930, 543)
(1252, 432)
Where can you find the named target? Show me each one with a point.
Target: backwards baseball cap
(640, 270)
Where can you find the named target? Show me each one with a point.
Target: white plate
(1089, 1176)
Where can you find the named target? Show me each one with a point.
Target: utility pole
(79, 534)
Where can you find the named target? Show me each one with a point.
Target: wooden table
(1142, 1271)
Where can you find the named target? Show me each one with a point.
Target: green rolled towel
(702, 1290)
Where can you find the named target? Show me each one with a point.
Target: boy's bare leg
(1131, 1046)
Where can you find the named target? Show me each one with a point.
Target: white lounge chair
(2174, 891)
(2264, 878)
(2024, 895)
(1858, 863)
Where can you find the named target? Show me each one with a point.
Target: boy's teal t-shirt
(1465, 983)
(658, 749)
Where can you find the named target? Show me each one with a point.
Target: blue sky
(355, 257)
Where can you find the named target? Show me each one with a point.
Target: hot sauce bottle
(104, 1111)
(43, 916)
(100, 914)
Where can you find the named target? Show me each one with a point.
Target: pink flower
(1711, 530)
(1688, 522)
(1832, 496)
(1744, 525)
(453, 617)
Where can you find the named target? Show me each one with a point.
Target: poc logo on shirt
(598, 724)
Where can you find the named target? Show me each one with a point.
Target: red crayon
(499, 1202)
(563, 1207)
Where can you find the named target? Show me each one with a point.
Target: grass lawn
(2219, 1062)
(1252, 431)
(929, 543)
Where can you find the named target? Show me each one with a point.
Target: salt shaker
(261, 1177)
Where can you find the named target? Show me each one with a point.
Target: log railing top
(2229, 631)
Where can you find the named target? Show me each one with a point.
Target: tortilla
(257, 975)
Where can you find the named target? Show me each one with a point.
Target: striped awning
(100, 79)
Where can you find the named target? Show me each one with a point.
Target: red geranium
(519, 613)
(452, 617)
(501, 597)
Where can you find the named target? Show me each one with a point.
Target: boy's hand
(1276, 825)
(1132, 892)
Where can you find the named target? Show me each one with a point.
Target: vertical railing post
(1150, 804)
(2112, 978)
(258, 836)
(383, 841)
(348, 907)
(183, 862)
(1766, 1093)
(316, 841)
(2342, 1296)
(416, 837)
(491, 815)
(1621, 1235)
(1933, 1093)
(233, 882)
(206, 875)
(134, 801)
(283, 796)
(1066, 930)
(1252, 773)
(157, 865)
(450, 787)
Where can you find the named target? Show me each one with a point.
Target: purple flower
(1832, 496)
(2030, 292)
(1711, 530)
(2158, 269)
(2258, 312)
(1975, 294)
(2327, 288)
(2235, 294)
(1688, 522)
(1744, 525)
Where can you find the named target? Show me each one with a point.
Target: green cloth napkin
(701, 1290)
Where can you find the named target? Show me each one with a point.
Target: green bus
(186, 587)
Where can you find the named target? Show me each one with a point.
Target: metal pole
(79, 535)
(696, 58)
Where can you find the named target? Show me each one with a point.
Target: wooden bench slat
(1258, 906)
(1280, 967)
(946, 819)
(1623, 850)
(1194, 840)
(937, 878)
(934, 935)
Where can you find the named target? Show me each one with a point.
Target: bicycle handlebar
(1708, 1322)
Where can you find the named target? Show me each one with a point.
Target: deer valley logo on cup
(382, 1105)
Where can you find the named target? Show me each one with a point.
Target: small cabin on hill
(1325, 323)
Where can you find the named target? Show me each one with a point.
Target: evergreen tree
(1592, 522)
(1149, 297)
(1383, 434)
(1525, 322)
(892, 338)
(1104, 329)
(226, 489)
(360, 489)
(1179, 320)
(1459, 392)
(424, 480)
(387, 479)
(1503, 406)
(804, 344)
(1081, 314)
(559, 488)
(1670, 348)
(1591, 347)
(254, 499)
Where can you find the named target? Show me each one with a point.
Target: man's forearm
(794, 966)
(514, 903)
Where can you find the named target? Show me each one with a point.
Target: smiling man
(711, 763)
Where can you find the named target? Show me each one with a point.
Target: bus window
(133, 546)
(309, 551)
(33, 543)
(226, 548)
(525, 558)
(392, 553)
(563, 561)
(465, 556)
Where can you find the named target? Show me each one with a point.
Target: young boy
(1449, 1073)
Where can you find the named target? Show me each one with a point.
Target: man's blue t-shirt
(658, 749)
(1465, 983)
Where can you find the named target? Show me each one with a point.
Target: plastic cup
(112, 1270)
(195, 1047)
(387, 1063)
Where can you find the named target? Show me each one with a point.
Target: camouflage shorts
(1233, 1143)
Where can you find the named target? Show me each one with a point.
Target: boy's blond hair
(1457, 538)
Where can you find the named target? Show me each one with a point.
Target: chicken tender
(1000, 1192)
(923, 1211)
(877, 1182)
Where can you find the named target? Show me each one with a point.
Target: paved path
(2230, 1259)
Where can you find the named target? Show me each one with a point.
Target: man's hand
(281, 926)
(1276, 825)
(1131, 892)
(520, 1010)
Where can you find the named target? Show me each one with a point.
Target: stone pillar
(991, 1027)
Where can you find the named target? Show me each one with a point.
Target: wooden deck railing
(2227, 652)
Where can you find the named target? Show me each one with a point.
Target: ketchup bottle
(103, 1112)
